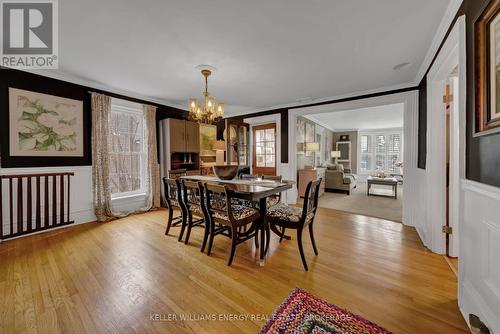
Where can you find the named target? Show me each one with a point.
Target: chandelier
(209, 110)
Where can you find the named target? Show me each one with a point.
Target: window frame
(137, 111)
(373, 152)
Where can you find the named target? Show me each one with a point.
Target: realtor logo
(29, 34)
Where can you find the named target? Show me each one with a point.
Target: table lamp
(219, 146)
(312, 147)
(335, 155)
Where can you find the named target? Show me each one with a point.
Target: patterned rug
(302, 312)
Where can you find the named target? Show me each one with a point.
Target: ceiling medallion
(209, 110)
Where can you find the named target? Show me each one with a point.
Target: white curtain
(152, 166)
(101, 111)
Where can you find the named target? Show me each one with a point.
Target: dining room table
(256, 191)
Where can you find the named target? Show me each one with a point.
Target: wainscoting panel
(479, 266)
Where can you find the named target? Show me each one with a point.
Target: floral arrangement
(40, 129)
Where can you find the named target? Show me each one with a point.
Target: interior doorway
(264, 149)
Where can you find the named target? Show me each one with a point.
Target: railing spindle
(11, 208)
(54, 201)
(69, 195)
(38, 204)
(61, 196)
(46, 203)
(19, 205)
(29, 212)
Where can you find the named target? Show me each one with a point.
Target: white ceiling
(381, 117)
(267, 52)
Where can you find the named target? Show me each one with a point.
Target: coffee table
(386, 181)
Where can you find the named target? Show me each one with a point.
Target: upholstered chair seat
(239, 212)
(288, 213)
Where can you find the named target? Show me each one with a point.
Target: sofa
(339, 179)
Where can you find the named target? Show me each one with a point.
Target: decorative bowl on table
(225, 172)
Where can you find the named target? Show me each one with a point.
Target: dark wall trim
(284, 114)
(46, 85)
(422, 125)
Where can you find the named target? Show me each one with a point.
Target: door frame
(252, 133)
(452, 54)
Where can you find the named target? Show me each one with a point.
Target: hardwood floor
(117, 277)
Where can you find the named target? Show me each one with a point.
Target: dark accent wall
(482, 152)
(284, 114)
(46, 85)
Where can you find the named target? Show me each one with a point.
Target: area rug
(358, 202)
(303, 312)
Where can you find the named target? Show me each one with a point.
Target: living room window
(127, 154)
(380, 151)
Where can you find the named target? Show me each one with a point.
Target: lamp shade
(335, 154)
(219, 145)
(312, 147)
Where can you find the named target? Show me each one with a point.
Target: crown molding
(55, 74)
(318, 122)
(332, 99)
(444, 26)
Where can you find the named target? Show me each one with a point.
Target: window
(380, 151)
(365, 161)
(265, 150)
(127, 154)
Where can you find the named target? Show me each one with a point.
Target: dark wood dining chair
(227, 219)
(173, 199)
(292, 217)
(193, 197)
(177, 173)
(276, 198)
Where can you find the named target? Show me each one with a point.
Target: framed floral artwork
(208, 135)
(487, 70)
(44, 130)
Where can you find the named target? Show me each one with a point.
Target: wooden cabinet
(177, 129)
(184, 136)
(179, 145)
(192, 136)
(307, 175)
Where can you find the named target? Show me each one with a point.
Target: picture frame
(487, 70)
(43, 130)
(344, 138)
(345, 151)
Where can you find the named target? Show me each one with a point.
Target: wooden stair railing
(48, 208)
